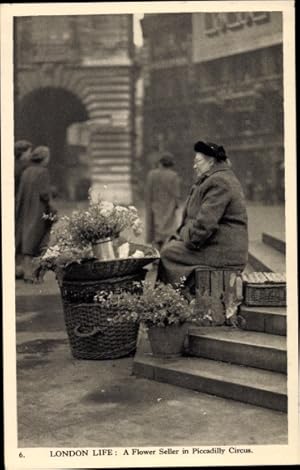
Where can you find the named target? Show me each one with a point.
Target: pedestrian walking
(162, 201)
(213, 231)
(23, 150)
(33, 201)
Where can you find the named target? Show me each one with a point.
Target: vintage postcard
(149, 218)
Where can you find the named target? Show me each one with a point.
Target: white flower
(106, 204)
(120, 209)
(51, 252)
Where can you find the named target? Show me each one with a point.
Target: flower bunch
(72, 236)
(102, 220)
(159, 305)
(63, 249)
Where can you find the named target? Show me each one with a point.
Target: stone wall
(98, 70)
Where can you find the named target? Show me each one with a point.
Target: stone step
(276, 241)
(110, 177)
(264, 258)
(109, 106)
(112, 145)
(245, 384)
(112, 153)
(113, 161)
(248, 348)
(270, 320)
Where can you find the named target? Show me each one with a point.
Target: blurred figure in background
(249, 185)
(162, 199)
(23, 150)
(33, 201)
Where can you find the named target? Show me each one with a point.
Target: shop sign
(220, 34)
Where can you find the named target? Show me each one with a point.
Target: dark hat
(21, 146)
(210, 149)
(40, 153)
(167, 159)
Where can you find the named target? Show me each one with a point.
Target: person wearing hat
(162, 200)
(214, 228)
(33, 200)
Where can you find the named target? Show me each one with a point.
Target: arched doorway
(43, 117)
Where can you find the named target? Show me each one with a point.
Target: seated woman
(214, 230)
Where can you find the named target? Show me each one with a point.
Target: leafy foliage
(159, 305)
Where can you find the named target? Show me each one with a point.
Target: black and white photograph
(149, 234)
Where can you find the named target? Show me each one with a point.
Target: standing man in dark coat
(214, 230)
(162, 201)
(32, 202)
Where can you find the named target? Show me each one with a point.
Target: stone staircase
(268, 254)
(110, 95)
(248, 364)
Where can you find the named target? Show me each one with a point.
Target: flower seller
(213, 231)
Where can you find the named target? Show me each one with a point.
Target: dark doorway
(43, 117)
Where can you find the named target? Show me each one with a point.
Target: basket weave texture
(264, 289)
(92, 336)
(84, 292)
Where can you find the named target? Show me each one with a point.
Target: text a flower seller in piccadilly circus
(214, 228)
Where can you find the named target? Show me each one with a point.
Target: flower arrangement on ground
(162, 308)
(160, 305)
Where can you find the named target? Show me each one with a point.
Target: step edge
(218, 379)
(243, 343)
(257, 310)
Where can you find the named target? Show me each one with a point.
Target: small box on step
(264, 289)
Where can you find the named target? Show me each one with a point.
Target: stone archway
(43, 117)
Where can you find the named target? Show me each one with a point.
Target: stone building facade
(218, 77)
(78, 69)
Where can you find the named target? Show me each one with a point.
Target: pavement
(64, 402)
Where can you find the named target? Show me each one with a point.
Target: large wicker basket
(264, 289)
(92, 269)
(90, 333)
(93, 336)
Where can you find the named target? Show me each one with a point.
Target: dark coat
(20, 166)
(162, 199)
(213, 231)
(33, 200)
